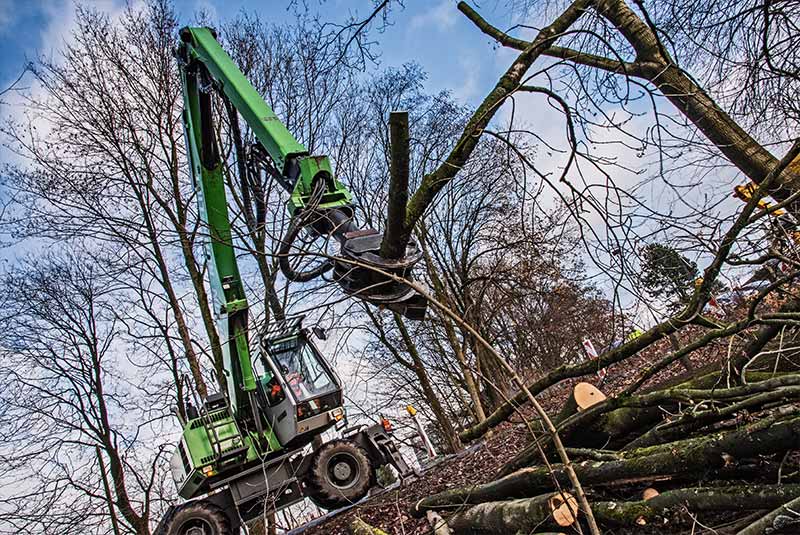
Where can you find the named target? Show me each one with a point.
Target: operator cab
(299, 393)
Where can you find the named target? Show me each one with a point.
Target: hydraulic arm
(318, 201)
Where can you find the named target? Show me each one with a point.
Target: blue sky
(432, 33)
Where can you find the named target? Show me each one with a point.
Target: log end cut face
(587, 395)
(564, 508)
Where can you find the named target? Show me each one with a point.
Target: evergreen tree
(667, 274)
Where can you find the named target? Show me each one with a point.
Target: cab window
(302, 370)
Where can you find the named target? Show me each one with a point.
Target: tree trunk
(442, 418)
(439, 291)
(177, 213)
(552, 510)
(433, 183)
(395, 239)
(663, 509)
(738, 146)
(205, 309)
(469, 378)
(166, 283)
(497, 387)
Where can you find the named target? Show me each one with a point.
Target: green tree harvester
(241, 453)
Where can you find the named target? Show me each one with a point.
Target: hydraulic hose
(295, 226)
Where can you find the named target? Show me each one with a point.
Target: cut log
(553, 510)
(649, 493)
(565, 509)
(785, 517)
(669, 507)
(437, 523)
(690, 456)
(583, 396)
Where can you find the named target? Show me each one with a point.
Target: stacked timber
(651, 463)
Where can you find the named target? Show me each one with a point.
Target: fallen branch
(616, 418)
(785, 516)
(693, 421)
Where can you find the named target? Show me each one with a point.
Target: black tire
(340, 475)
(199, 518)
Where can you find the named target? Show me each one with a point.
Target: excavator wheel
(199, 518)
(340, 475)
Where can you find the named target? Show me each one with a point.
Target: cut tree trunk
(552, 510)
(649, 493)
(443, 420)
(395, 239)
(437, 523)
(583, 396)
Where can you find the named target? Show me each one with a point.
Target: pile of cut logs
(704, 456)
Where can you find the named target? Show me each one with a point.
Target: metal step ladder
(215, 415)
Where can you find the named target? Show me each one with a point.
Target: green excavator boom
(207, 70)
(206, 67)
(289, 156)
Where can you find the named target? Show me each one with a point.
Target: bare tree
(110, 167)
(71, 410)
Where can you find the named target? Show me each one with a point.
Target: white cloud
(468, 88)
(61, 20)
(441, 15)
(7, 17)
